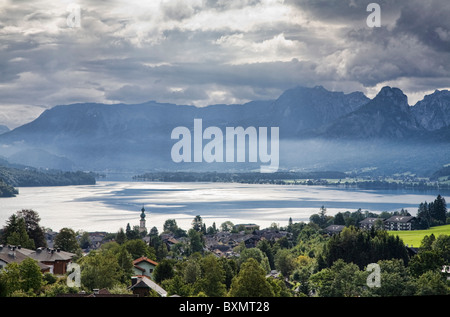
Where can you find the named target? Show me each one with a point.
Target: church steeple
(142, 222)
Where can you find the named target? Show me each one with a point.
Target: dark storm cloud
(205, 51)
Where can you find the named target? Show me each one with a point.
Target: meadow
(414, 237)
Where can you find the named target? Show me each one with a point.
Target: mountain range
(319, 130)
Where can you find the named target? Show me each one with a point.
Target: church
(142, 227)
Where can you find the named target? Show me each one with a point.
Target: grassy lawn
(415, 237)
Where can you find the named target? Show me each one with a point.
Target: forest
(29, 177)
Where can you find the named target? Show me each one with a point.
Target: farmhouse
(368, 222)
(333, 229)
(49, 260)
(144, 266)
(399, 223)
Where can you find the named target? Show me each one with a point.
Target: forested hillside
(27, 177)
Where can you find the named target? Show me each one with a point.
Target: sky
(202, 52)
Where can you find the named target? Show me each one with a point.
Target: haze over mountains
(319, 130)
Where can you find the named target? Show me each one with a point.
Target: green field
(414, 237)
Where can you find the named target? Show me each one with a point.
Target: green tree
(426, 261)
(197, 223)
(227, 226)
(438, 210)
(132, 234)
(339, 219)
(213, 277)
(30, 275)
(267, 249)
(170, 226)
(395, 280)
(9, 279)
(196, 243)
(85, 240)
(341, 280)
(432, 283)
(256, 254)
(251, 281)
(138, 248)
(121, 237)
(285, 262)
(99, 270)
(163, 271)
(34, 230)
(442, 246)
(15, 233)
(66, 240)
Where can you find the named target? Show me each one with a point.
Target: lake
(110, 205)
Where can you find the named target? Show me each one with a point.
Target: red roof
(142, 259)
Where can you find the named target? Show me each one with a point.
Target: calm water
(109, 206)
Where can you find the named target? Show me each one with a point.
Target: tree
(132, 234)
(163, 271)
(138, 248)
(395, 280)
(15, 233)
(30, 275)
(340, 280)
(266, 248)
(285, 262)
(196, 242)
(226, 226)
(213, 277)
(121, 236)
(251, 281)
(170, 226)
(256, 254)
(85, 240)
(438, 210)
(442, 246)
(125, 262)
(9, 279)
(99, 270)
(197, 223)
(339, 219)
(66, 240)
(34, 230)
(432, 283)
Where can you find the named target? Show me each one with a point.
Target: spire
(142, 227)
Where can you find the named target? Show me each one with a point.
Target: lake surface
(110, 205)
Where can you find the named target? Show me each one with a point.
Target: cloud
(214, 51)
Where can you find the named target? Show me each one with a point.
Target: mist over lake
(110, 205)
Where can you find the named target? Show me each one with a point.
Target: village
(220, 243)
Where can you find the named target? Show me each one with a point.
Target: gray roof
(335, 228)
(11, 254)
(369, 220)
(400, 219)
(145, 282)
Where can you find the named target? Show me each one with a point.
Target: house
(56, 259)
(399, 223)
(141, 286)
(368, 223)
(144, 267)
(333, 229)
(12, 254)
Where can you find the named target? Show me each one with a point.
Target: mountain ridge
(313, 122)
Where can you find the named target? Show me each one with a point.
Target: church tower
(142, 227)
